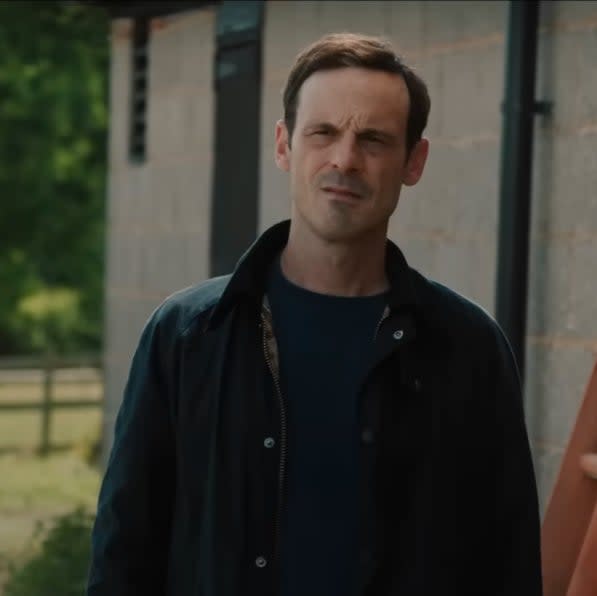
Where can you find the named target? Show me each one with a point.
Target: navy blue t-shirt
(324, 344)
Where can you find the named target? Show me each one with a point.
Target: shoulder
(184, 310)
(473, 337)
(451, 314)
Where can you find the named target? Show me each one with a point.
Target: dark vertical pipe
(515, 176)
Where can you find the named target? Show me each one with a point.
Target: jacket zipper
(384, 316)
(283, 437)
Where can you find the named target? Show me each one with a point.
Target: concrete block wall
(158, 211)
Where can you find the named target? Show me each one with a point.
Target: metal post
(515, 176)
(46, 408)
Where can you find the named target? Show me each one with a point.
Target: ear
(282, 151)
(416, 163)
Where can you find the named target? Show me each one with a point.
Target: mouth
(340, 192)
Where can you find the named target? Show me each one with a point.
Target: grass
(34, 490)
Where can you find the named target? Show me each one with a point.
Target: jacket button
(260, 562)
(367, 436)
(269, 442)
(398, 334)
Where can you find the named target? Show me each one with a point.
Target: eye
(322, 132)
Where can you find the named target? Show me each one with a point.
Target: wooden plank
(584, 578)
(59, 362)
(30, 379)
(46, 408)
(572, 503)
(83, 403)
(16, 406)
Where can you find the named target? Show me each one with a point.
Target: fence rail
(57, 362)
(44, 371)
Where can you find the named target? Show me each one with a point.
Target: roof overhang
(147, 10)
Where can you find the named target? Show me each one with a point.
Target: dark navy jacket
(192, 495)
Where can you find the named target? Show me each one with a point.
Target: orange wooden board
(584, 578)
(572, 512)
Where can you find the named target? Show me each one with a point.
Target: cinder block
(555, 382)
(468, 267)
(196, 184)
(569, 12)
(550, 308)
(466, 90)
(288, 26)
(566, 201)
(274, 197)
(562, 288)
(405, 25)
(166, 122)
(419, 251)
(197, 40)
(195, 257)
(166, 55)
(355, 16)
(275, 202)
(571, 54)
(134, 195)
(583, 288)
(459, 189)
(198, 107)
(446, 23)
(180, 123)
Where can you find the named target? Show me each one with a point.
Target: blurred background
(136, 158)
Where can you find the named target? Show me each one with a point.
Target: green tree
(54, 60)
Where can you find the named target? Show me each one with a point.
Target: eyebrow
(366, 132)
(386, 136)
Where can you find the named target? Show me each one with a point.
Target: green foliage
(89, 447)
(58, 565)
(53, 116)
(50, 318)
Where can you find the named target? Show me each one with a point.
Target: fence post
(46, 408)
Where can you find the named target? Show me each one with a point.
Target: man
(324, 421)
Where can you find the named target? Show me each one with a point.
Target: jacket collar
(248, 280)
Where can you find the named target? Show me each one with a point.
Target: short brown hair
(341, 50)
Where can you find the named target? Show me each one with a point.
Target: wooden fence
(43, 370)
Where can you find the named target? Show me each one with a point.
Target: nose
(346, 156)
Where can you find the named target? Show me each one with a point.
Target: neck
(355, 268)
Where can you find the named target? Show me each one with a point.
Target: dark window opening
(139, 90)
(235, 200)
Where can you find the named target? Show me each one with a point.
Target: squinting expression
(347, 157)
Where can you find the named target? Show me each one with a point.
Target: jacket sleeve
(517, 558)
(130, 538)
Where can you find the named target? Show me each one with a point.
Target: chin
(340, 230)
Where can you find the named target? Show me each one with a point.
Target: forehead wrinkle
(354, 102)
(357, 123)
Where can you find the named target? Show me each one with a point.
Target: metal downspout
(519, 108)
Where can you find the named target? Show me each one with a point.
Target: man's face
(347, 157)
